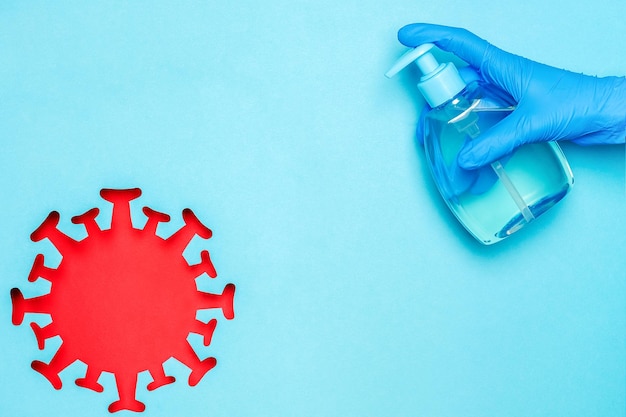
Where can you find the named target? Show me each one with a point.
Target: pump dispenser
(440, 82)
(495, 201)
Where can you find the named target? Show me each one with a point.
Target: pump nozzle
(440, 82)
(412, 55)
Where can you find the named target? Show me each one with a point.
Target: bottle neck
(442, 86)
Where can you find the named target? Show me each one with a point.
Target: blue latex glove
(553, 104)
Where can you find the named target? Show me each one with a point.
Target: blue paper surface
(358, 294)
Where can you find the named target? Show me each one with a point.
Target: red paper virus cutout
(123, 300)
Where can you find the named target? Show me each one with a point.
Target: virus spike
(90, 381)
(39, 270)
(198, 367)
(223, 301)
(50, 371)
(159, 378)
(121, 205)
(205, 330)
(23, 305)
(205, 265)
(126, 385)
(43, 333)
(154, 218)
(48, 229)
(181, 238)
(88, 219)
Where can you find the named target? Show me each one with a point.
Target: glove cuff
(617, 103)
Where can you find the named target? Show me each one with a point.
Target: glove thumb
(500, 140)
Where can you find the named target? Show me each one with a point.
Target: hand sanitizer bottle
(497, 200)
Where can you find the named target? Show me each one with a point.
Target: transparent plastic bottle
(495, 201)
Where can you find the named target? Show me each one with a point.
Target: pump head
(439, 83)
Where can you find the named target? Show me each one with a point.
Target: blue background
(357, 292)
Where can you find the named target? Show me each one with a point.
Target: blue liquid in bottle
(495, 201)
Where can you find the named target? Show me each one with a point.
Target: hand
(553, 104)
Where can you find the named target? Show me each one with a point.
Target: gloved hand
(553, 104)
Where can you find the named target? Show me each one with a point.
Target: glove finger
(495, 66)
(599, 138)
(497, 142)
(460, 42)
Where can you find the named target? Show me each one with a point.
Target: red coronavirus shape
(123, 300)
